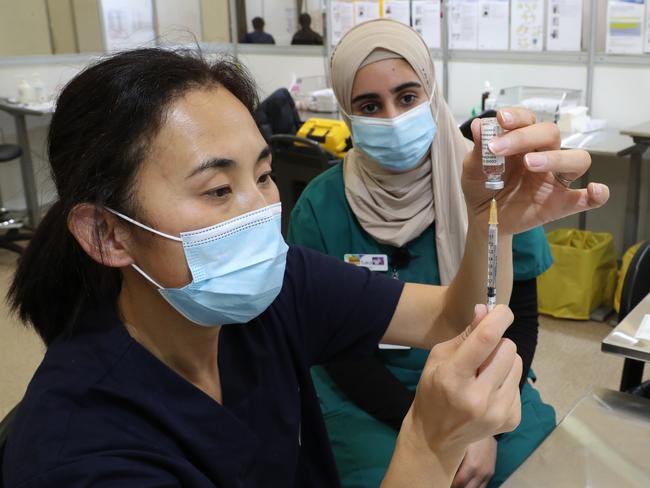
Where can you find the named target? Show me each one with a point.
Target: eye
(409, 99)
(266, 178)
(220, 192)
(370, 108)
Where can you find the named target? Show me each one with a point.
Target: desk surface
(26, 109)
(622, 339)
(641, 131)
(602, 443)
(606, 142)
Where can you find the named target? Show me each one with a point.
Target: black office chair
(4, 433)
(636, 286)
(296, 161)
(277, 114)
(10, 226)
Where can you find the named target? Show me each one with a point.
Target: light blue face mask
(237, 268)
(400, 143)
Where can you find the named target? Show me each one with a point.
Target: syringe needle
(493, 236)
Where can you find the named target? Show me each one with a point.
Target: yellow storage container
(627, 259)
(333, 135)
(583, 276)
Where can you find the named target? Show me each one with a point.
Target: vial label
(490, 129)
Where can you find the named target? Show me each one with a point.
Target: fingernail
(536, 160)
(597, 189)
(507, 117)
(498, 145)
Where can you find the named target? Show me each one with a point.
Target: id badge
(374, 262)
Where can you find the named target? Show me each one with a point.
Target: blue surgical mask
(400, 143)
(237, 268)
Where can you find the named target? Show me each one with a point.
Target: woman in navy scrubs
(181, 328)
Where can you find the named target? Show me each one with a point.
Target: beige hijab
(395, 208)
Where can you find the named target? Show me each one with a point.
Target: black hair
(104, 122)
(258, 23)
(304, 20)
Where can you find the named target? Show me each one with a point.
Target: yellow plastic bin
(583, 275)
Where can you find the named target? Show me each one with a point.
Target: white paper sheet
(493, 23)
(564, 25)
(527, 25)
(646, 47)
(463, 24)
(364, 11)
(425, 16)
(127, 24)
(625, 19)
(342, 20)
(400, 11)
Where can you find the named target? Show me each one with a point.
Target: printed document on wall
(564, 25)
(463, 24)
(400, 11)
(127, 24)
(625, 19)
(493, 23)
(646, 47)
(527, 25)
(364, 11)
(425, 16)
(342, 20)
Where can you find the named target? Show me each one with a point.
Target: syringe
(493, 237)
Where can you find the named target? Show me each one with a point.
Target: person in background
(258, 36)
(404, 204)
(306, 35)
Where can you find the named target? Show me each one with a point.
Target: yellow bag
(627, 259)
(333, 135)
(583, 275)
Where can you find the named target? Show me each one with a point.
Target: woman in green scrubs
(395, 206)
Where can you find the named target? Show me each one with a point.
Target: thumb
(480, 311)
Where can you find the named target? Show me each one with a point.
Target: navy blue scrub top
(102, 411)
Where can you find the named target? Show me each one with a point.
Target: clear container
(493, 166)
(546, 102)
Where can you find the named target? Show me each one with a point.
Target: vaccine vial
(493, 166)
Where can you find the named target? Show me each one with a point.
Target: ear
(100, 234)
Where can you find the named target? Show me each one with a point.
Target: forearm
(469, 285)
(416, 464)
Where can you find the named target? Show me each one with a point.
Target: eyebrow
(225, 163)
(397, 89)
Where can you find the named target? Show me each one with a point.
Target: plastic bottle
(38, 88)
(25, 92)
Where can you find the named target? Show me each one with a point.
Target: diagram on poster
(342, 20)
(127, 24)
(625, 19)
(425, 15)
(364, 11)
(564, 25)
(527, 25)
(493, 18)
(463, 24)
(398, 11)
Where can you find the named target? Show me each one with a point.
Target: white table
(603, 442)
(622, 341)
(19, 111)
